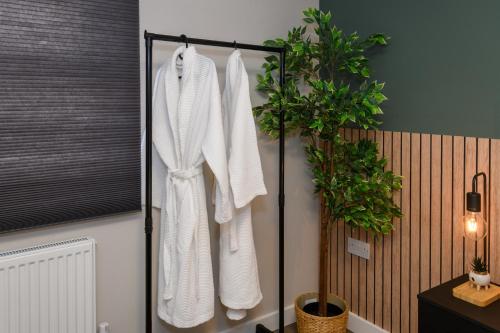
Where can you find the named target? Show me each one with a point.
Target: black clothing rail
(148, 222)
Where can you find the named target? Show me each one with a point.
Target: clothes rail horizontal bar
(198, 41)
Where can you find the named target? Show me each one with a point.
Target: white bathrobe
(187, 130)
(239, 276)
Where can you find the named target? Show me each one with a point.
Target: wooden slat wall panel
(335, 264)
(446, 208)
(396, 241)
(414, 213)
(348, 256)
(483, 158)
(340, 250)
(470, 171)
(387, 250)
(378, 255)
(458, 205)
(425, 211)
(427, 246)
(370, 267)
(355, 259)
(436, 217)
(363, 235)
(405, 231)
(495, 210)
(333, 260)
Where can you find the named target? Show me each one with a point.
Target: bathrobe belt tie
(180, 214)
(233, 235)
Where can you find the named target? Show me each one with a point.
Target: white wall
(120, 249)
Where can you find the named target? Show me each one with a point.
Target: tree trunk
(324, 242)
(323, 261)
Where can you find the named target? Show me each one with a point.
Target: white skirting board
(356, 324)
(269, 320)
(360, 325)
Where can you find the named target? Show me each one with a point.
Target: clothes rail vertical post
(148, 222)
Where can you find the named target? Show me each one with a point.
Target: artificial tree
(328, 87)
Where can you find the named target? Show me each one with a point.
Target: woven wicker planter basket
(307, 323)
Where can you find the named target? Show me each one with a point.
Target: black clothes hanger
(185, 39)
(235, 45)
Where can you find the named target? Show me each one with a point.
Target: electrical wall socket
(358, 248)
(104, 327)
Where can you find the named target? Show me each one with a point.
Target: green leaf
(365, 72)
(317, 124)
(379, 97)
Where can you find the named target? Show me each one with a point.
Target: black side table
(439, 311)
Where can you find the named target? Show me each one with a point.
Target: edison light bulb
(472, 225)
(475, 227)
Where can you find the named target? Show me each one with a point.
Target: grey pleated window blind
(69, 110)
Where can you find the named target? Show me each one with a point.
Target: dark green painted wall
(442, 68)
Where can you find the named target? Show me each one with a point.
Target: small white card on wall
(358, 248)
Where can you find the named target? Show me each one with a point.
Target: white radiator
(49, 288)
